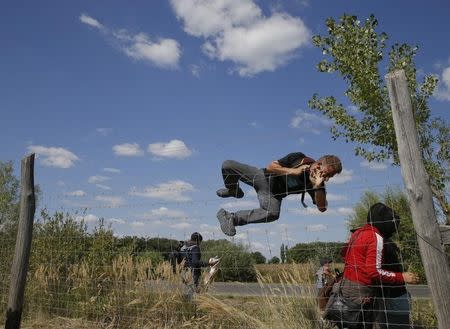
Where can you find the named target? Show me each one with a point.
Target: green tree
(307, 252)
(406, 238)
(258, 257)
(274, 260)
(236, 262)
(282, 254)
(9, 195)
(356, 50)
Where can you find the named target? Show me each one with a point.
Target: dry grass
(119, 296)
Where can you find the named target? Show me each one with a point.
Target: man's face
(322, 171)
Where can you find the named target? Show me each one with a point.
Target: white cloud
(204, 18)
(344, 177)
(259, 246)
(345, 211)
(161, 52)
(54, 156)
(181, 226)
(240, 204)
(210, 231)
(195, 70)
(103, 187)
(174, 149)
(77, 193)
(173, 190)
(164, 53)
(104, 131)
(112, 201)
(336, 197)
(87, 218)
(309, 122)
(137, 224)
(97, 179)
(443, 92)
(310, 211)
(88, 20)
(116, 220)
(237, 31)
(128, 149)
(167, 213)
(373, 165)
(316, 228)
(111, 170)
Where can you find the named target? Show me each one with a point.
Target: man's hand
(410, 278)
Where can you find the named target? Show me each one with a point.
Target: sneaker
(226, 222)
(226, 193)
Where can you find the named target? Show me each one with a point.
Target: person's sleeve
(196, 258)
(289, 160)
(373, 263)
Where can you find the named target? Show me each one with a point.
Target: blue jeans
(394, 313)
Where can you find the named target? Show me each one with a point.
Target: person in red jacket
(363, 256)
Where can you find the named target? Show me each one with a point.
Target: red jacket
(363, 256)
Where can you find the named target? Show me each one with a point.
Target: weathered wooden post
(19, 266)
(417, 184)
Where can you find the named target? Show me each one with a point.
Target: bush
(236, 263)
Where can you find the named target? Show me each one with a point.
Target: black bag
(177, 256)
(343, 312)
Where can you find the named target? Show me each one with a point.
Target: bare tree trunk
(420, 197)
(19, 266)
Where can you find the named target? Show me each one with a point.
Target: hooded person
(193, 255)
(363, 256)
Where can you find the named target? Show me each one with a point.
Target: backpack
(303, 161)
(177, 256)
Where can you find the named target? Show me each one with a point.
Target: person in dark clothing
(394, 300)
(293, 174)
(193, 255)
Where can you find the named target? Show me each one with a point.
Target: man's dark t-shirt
(283, 185)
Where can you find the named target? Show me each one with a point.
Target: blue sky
(132, 107)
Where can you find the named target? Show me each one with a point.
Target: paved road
(255, 289)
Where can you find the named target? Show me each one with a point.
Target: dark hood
(384, 219)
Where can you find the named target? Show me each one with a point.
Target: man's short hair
(331, 161)
(196, 237)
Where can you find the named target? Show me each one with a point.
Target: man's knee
(228, 164)
(272, 216)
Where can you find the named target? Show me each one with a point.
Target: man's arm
(196, 261)
(373, 263)
(276, 168)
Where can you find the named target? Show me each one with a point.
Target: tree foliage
(356, 51)
(312, 252)
(258, 257)
(274, 260)
(236, 262)
(9, 195)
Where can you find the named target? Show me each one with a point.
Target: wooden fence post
(417, 184)
(19, 266)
